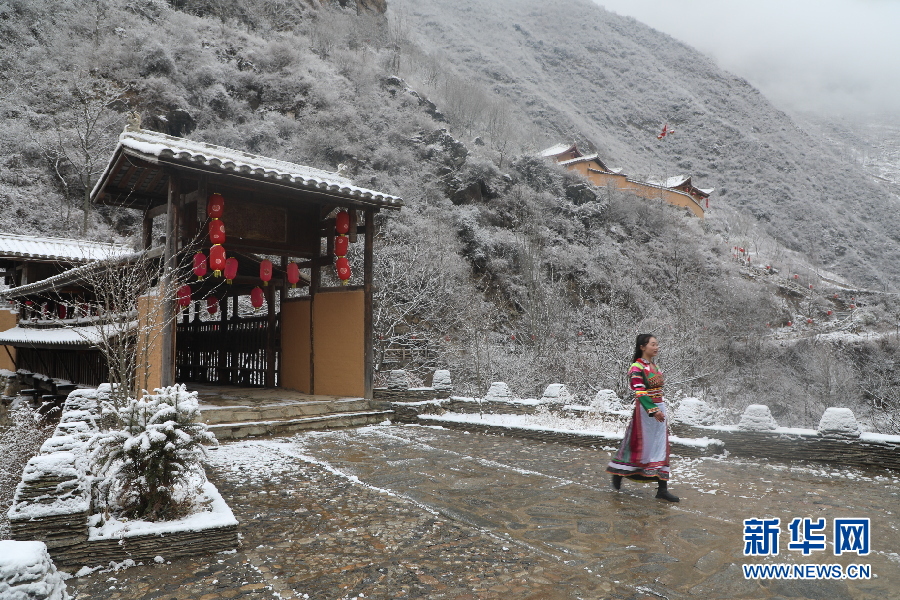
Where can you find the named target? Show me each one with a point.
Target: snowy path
(420, 512)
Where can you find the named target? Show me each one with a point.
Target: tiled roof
(558, 149)
(83, 336)
(157, 147)
(13, 245)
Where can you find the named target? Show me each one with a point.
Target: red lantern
(217, 232)
(342, 222)
(810, 286)
(257, 299)
(217, 259)
(215, 206)
(796, 277)
(790, 323)
(809, 321)
(265, 271)
(184, 296)
(828, 313)
(293, 274)
(852, 306)
(200, 265)
(231, 269)
(341, 245)
(212, 305)
(343, 269)
(741, 250)
(61, 310)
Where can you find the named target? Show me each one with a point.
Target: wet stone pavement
(421, 512)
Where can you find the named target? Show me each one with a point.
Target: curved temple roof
(159, 148)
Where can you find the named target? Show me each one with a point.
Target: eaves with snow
(55, 249)
(137, 173)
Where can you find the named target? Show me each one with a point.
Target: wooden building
(29, 342)
(317, 340)
(677, 191)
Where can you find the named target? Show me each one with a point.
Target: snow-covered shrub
(19, 441)
(154, 454)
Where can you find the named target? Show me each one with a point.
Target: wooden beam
(270, 336)
(368, 275)
(167, 368)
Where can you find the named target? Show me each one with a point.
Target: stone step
(237, 430)
(213, 415)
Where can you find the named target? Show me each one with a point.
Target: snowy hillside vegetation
(501, 266)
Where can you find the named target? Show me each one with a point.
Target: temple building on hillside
(678, 191)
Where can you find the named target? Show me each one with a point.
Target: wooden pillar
(147, 232)
(314, 280)
(368, 274)
(222, 346)
(167, 368)
(270, 334)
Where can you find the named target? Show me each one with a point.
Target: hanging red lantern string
(342, 222)
(217, 232)
(257, 298)
(184, 296)
(293, 274)
(212, 305)
(215, 206)
(61, 310)
(341, 245)
(217, 259)
(265, 271)
(231, 269)
(343, 269)
(200, 265)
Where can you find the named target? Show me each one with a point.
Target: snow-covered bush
(19, 441)
(154, 454)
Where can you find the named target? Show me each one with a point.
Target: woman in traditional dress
(644, 453)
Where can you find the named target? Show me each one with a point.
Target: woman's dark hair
(642, 340)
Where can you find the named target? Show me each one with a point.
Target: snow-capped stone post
(757, 417)
(557, 393)
(441, 381)
(839, 422)
(607, 401)
(498, 391)
(693, 411)
(26, 571)
(397, 380)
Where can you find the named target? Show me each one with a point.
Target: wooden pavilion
(316, 339)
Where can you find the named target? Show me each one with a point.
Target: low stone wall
(409, 413)
(798, 444)
(408, 395)
(52, 503)
(573, 438)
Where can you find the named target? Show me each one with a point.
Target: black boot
(662, 492)
(617, 481)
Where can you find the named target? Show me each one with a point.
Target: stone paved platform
(416, 512)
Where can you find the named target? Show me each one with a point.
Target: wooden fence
(232, 352)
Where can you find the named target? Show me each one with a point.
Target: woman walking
(644, 453)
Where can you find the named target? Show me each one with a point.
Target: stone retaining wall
(408, 395)
(409, 413)
(800, 445)
(573, 438)
(52, 503)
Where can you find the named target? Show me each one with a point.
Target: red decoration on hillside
(342, 222)
(200, 265)
(184, 296)
(217, 232)
(257, 298)
(343, 269)
(212, 305)
(217, 259)
(293, 274)
(231, 269)
(215, 206)
(265, 271)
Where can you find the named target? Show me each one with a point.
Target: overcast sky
(832, 56)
